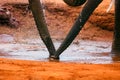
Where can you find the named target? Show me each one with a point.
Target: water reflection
(83, 52)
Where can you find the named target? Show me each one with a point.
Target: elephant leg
(38, 15)
(116, 42)
(87, 10)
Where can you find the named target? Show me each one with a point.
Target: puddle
(82, 52)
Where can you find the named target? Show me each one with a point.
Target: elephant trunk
(87, 10)
(38, 15)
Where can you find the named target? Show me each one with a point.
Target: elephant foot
(53, 58)
(115, 56)
(115, 53)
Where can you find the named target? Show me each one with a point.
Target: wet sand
(36, 70)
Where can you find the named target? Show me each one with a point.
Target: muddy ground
(60, 19)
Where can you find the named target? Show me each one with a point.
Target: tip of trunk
(54, 59)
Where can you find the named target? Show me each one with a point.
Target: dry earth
(60, 19)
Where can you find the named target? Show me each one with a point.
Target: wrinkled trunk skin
(87, 10)
(116, 42)
(38, 15)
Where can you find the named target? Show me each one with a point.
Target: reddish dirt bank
(60, 19)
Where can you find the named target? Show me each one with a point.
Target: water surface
(83, 51)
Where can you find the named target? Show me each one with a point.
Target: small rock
(7, 18)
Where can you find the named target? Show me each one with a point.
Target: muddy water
(83, 51)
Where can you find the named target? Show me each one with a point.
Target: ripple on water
(83, 52)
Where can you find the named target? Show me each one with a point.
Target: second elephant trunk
(87, 10)
(38, 15)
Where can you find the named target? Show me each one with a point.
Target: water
(83, 51)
